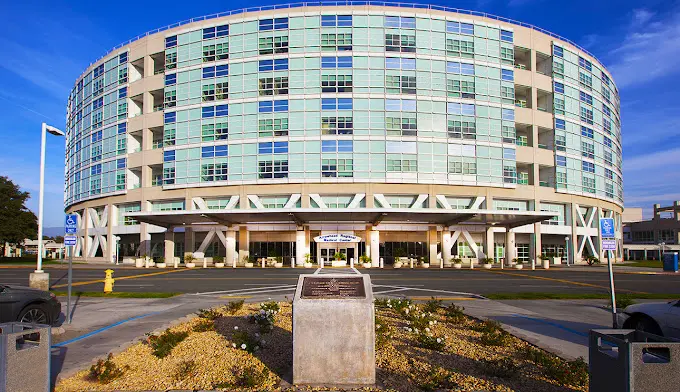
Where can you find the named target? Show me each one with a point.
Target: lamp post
(566, 249)
(661, 249)
(39, 279)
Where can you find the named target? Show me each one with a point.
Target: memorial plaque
(333, 288)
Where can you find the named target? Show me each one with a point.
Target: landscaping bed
(249, 347)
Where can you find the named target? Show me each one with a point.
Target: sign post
(608, 241)
(70, 228)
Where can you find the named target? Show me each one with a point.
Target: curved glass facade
(347, 96)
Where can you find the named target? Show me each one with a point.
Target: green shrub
(204, 326)
(209, 314)
(431, 342)
(383, 333)
(503, 367)
(623, 301)
(400, 305)
(567, 372)
(235, 306)
(496, 338)
(163, 344)
(105, 371)
(437, 378)
(242, 340)
(272, 306)
(381, 303)
(249, 377)
(419, 321)
(454, 314)
(433, 305)
(184, 369)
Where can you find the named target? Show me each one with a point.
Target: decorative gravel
(209, 361)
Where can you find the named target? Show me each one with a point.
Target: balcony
(158, 60)
(522, 96)
(543, 64)
(522, 58)
(544, 101)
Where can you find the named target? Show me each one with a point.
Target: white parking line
(288, 286)
(390, 291)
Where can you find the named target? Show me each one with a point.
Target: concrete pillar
(574, 254)
(231, 246)
(243, 243)
(301, 245)
(188, 240)
(509, 246)
(374, 235)
(432, 238)
(8, 250)
(169, 249)
(537, 245)
(87, 241)
(446, 245)
(489, 239)
(111, 220)
(144, 239)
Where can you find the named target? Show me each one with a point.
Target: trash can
(24, 357)
(626, 360)
(670, 261)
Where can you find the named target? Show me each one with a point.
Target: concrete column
(243, 243)
(574, 254)
(489, 239)
(300, 245)
(509, 246)
(87, 241)
(188, 240)
(169, 249)
(8, 250)
(231, 246)
(112, 216)
(446, 245)
(537, 245)
(144, 239)
(432, 238)
(375, 247)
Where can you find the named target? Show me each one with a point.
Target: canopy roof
(373, 216)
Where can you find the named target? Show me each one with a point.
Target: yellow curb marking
(120, 278)
(444, 298)
(563, 281)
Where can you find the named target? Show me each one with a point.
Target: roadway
(575, 280)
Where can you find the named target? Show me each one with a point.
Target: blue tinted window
(273, 147)
(207, 112)
(588, 167)
(265, 106)
(122, 93)
(559, 88)
(344, 103)
(605, 78)
(400, 22)
(170, 79)
(273, 24)
(336, 20)
(97, 136)
(122, 128)
(221, 110)
(508, 114)
(461, 28)
(208, 33)
(585, 64)
(606, 111)
(266, 65)
(557, 51)
(170, 42)
(222, 31)
(400, 63)
(460, 108)
(336, 104)
(587, 98)
(122, 59)
(587, 132)
(506, 35)
(559, 124)
(214, 151)
(560, 160)
(457, 68)
(281, 106)
(345, 146)
(168, 156)
(607, 142)
(507, 74)
(336, 62)
(208, 72)
(120, 164)
(169, 118)
(222, 70)
(329, 145)
(273, 65)
(96, 169)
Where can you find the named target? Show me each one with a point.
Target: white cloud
(649, 50)
(663, 159)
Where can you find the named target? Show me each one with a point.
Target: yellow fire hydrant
(108, 281)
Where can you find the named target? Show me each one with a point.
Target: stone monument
(334, 330)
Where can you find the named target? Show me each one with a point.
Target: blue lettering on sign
(607, 227)
(70, 240)
(71, 224)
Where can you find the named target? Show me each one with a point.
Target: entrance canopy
(374, 216)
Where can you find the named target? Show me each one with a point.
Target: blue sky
(47, 45)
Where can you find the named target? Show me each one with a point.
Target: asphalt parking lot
(439, 282)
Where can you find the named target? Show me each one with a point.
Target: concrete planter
(398, 264)
(190, 265)
(278, 265)
(487, 266)
(425, 265)
(557, 260)
(545, 263)
(366, 265)
(519, 266)
(308, 265)
(457, 265)
(249, 265)
(160, 265)
(219, 265)
(139, 263)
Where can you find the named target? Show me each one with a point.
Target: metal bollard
(351, 262)
(410, 260)
(175, 262)
(262, 262)
(292, 262)
(321, 263)
(205, 263)
(233, 262)
(382, 263)
(108, 281)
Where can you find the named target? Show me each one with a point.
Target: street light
(42, 281)
(566, 248)
(661, 249)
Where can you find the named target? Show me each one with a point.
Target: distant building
(647, 239)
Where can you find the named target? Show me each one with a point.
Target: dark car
(28, 305)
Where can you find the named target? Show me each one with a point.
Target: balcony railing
(546, 184)
(521, 103)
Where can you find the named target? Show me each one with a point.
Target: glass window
(273, 65)
(168, 156)
(588, 167)
(273, 24)
(508, 114)
(170, 42)
(273, 106)
(214, 151)
(336, 62)
(400, 43)
(400, 22)
(586, 115)
(560, 160)
(273, 148)
(507, 74)
(560, 124)
(587, 132)
(585, 63)
(459, 27)
(169, 118)
(587, 98)
(557, 51)
(460, 68)
(506, 35)
(559, 88)
(336, 104)
(336, 20)
(607, 142)
(460, 108)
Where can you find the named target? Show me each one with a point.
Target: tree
(17, 222)
(59, 239)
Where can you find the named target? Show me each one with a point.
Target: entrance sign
(71, 224)
(70, 240)
(334, 330)
(608, 244)
(607, 228)
(333, 288)
(339, 237)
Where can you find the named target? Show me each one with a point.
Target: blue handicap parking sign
(607, 228)
(71, 224)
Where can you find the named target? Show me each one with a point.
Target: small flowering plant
(426, 340)
(242, 340)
